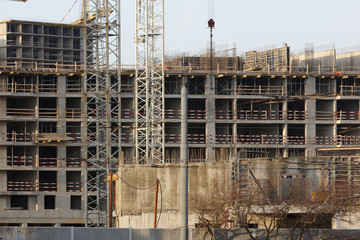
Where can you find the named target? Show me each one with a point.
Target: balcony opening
(19, 202)
(21, 181)
(19, 107)
(197, 154)
(73, 130)
(172, 133)
(21, 156)
(172, 108)
(47, 127)
(73, 181)
(295, 86)
(48, 108)
(48, 84)
(196, 85)
(73, 108)
(224, 86)
(196, 109)
(325, 85)
(173, 85)
(224, 133)
(172, 155)
(296, 134)
(73, 84)
(224, 109)
(73, 157)
(47, 181)
(49, 202)
(296, 110)
(75, 202)
(48, 156)
(347, 110)
(127, 85)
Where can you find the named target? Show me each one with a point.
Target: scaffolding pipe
(184, 167)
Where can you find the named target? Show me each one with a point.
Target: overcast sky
(252, 24)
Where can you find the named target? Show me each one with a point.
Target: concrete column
(32, 204)
(3, 106)
(210, 117)
(184, 168)
(61, 181)
(310, 126)
(41, 202)
(3, 175)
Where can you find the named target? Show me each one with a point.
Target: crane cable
(69, 11)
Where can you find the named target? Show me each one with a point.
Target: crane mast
(149, 83)
(101, 88)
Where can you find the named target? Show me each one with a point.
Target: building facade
(273, 117)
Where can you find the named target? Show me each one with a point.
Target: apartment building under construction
(273, 109)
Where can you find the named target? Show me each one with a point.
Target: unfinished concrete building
(40, 93)
(276, 117)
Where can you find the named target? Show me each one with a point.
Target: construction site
(84, 141)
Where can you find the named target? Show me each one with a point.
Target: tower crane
(149, 83)
(101, 88)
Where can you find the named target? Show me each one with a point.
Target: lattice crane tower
(149, 86)
(101, 104)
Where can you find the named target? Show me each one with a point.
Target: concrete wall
(135, 207)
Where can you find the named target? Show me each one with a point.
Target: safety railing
(296, 140)
(20, 137)
(349, 90)
(260, 115)
(224, 114)
(260, 139)
(76, 137)
(73, 88)
(260, 90)
(127, 137)
(21, 186)
(48, 187)
(14, 87)
(73, 162)
(196, 114)
(127, 113)
(127, 88)
(48, 113)
(348, 140)
(347, 115)
(73, 113)
(325, 115)
(48, 162)
(47, 88)
(295, 115)
(192, 138)
(73, 186)
(172, 114)
(21, 161)
(21, 112)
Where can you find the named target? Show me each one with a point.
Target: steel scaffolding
(149, 99)
(101, 104)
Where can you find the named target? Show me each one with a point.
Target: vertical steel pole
(156, 201)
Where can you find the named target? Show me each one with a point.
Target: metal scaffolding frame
(101, 104)
(149, 72)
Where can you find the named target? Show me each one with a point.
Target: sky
(251, 24)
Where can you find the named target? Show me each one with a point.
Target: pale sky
(252, 24)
